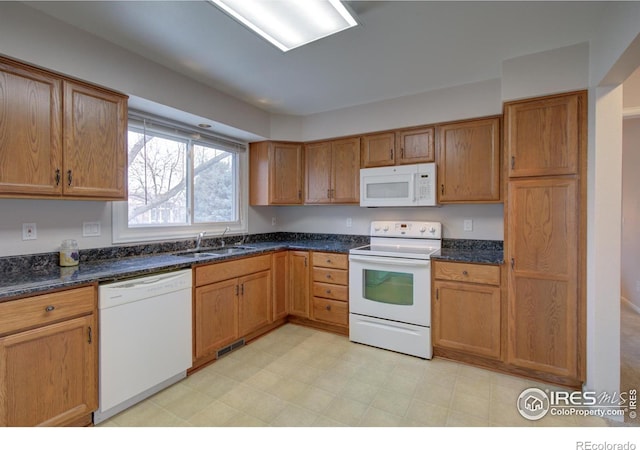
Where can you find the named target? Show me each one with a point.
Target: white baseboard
(635, 308)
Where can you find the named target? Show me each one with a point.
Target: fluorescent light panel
(288, 24)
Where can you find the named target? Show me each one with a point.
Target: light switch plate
(29, 231)
(468, 225)
(91, 229)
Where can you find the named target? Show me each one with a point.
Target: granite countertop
(471, 251)
(49, 275)
(32, 274)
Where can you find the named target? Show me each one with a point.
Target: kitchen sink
(209, 252)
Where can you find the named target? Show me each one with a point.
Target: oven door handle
(389, 261)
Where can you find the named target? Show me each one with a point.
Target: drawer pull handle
(50, 308)
(329, 276)
(90, 335)
(328, 291)
(328, 307)
(464, 272)
(329, 261)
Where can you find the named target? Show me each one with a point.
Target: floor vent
(229, 348)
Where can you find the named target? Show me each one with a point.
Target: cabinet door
(280, 274)
(455, 303)
(345, 172)
(299, 283)
(95, 126)
(30, 131)
(543, 276)
(544, 136)
(254, 310)
(469, 162)
(415, 146)
(216, 317)
(378, 150)
(318, 172)
(286, 173)
(48, 375)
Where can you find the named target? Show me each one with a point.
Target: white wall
(613, 55)
(630, 261)
(487, 219)
(559, 70)
(442, 105)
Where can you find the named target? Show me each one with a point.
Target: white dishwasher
(145, 338)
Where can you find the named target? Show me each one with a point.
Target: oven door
(396, 289)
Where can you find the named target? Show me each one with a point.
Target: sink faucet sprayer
(222, 236)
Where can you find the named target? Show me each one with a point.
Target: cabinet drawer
(212, 273)
(331, 260)
(334, 276)
(472, 273)
(333, 291)
(44, 309)
(332, 311)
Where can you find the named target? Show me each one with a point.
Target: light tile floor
(297, 376)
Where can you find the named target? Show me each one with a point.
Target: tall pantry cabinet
(545, 235)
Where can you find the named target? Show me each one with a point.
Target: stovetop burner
(415, 240)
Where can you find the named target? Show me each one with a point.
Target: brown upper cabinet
(543, 135)
(406, 146)
(332, 172)
(469, 161)
(60, 137)
(415, 145)
(276, 173)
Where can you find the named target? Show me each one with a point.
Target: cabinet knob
(50, 308)
(328, 291)
(329, 276)
(465, 273)
(328, 307)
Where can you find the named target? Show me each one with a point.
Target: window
(180, 182)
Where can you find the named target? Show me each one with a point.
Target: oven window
(395, 288)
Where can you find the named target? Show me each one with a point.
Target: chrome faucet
(222, 236)
(199, 239)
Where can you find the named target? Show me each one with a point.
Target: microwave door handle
(413, 182)
(390, 261)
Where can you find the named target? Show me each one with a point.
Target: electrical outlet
(349, 222)
(90, 229)
(273, 221)
(29, 231)
(468, 225)
(637, 286)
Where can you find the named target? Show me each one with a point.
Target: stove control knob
(386, 228)
(377, 228)
(423, 229)
(432, 230)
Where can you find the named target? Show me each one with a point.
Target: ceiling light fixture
(288, 24)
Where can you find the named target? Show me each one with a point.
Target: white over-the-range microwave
(408, 185)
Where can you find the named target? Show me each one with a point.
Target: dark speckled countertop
(472, 251)
(33, 274)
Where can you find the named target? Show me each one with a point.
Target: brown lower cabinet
(231, 300)
(467, 308)
(49, 359)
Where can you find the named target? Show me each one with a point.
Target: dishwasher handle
(149, 281)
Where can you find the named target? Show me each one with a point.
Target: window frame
(122, 233)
